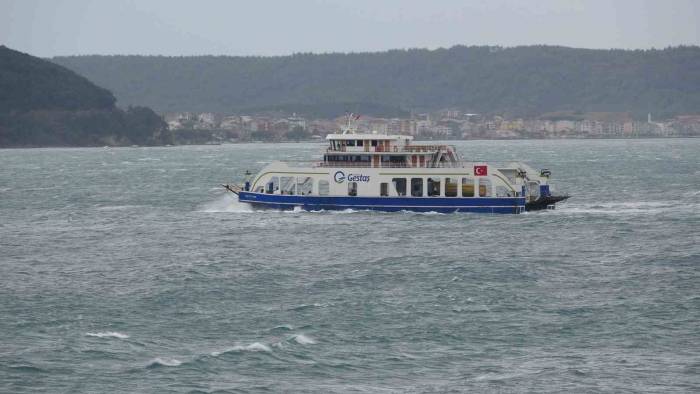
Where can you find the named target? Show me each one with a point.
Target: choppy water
(129, 270)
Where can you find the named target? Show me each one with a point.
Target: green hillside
(44, 104)
(514, 81)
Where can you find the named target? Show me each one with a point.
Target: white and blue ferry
(372, 171)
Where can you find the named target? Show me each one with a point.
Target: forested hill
(27, 83)
(45, 104)
(517, 81)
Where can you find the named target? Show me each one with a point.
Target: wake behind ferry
(372, 171)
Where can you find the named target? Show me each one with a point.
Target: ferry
(373, 171)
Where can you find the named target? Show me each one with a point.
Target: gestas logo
(340, 177)
(358, 178)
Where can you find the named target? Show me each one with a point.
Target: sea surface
(131, 270)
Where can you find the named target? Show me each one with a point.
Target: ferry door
(375, 161)
(414, 160)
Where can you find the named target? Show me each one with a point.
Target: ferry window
(351, 142)
(399, 186)
(484, 187)
(359, 142)
(434, 187)
(352, 189)
(417, 187)
(384, 189)
(374, 142)
(393, 161)
(305, 185)
(322, 188)
(450, 187)
(534, 189)
(287, 184)
(273, 185)
(467, 187)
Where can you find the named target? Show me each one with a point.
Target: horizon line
(406, 49)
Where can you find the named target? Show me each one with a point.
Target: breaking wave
(622, 208)
(303, 339)
(226, 203)
(253, 347)
(107, 334)
(116, 207)
(163, 362)
(283, 327)
(305, 306)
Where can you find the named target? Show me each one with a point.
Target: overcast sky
(260, 27)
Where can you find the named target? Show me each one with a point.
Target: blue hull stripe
(421, 204)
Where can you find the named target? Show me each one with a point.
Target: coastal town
(441, 125)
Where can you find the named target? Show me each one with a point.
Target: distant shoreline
(322, 141)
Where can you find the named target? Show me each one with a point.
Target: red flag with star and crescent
(480, 170)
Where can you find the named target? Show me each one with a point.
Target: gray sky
(228, 27)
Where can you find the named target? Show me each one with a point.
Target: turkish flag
(480, 170)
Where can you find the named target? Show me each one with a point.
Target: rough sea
(131, 270)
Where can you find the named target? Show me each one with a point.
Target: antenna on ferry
(351, 119)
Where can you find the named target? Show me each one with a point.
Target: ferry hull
(512, 205)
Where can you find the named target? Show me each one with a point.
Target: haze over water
(131, 270)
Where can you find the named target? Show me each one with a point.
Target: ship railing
(394, 149)
(351, 164)
(334, 164)
(367, 164)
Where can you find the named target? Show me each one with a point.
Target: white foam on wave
(622, 208)
(306, 306)
(166, 362)
(253, 347)
(228, 204)
(107, 334)
(427, 213)
(303, 339)
(116, 207)
(493, 376)
(353, 211)
(430, 213)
